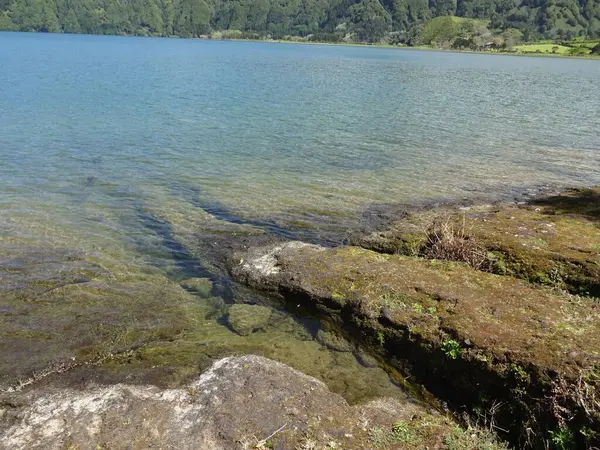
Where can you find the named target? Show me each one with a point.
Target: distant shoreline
(406, 47)
(341, 44)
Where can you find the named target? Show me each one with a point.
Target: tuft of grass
(472, 438)
(562, 439)
(449, 241)
(410, 435)
(400, 433)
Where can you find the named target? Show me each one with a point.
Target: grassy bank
(543, 50)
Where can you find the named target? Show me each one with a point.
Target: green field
(583, 48)
(543, 48)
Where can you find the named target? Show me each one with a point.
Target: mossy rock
(247, 319)
(472, 338)
(239, 402)
(333, 342)
(552, 241)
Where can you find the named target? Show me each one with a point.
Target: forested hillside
(396, 21)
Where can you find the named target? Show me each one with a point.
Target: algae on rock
(246, 319)
(459, 331)
(200, 286)
(274, 406)
(553, 241)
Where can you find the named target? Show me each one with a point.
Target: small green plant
(432, 310)
(588, 433)
(400, 433)
(562, 439)
(380, 338)
(451, 349)
(418, 308)
(519, 373)
(498, 263)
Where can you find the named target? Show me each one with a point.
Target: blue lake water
(267, 130)
(129, 151)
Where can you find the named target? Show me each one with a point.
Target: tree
(70, 23)
(367, 20)
(440, 29)
(370, 19)
(5, 22)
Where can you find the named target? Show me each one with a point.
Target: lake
(127, 165)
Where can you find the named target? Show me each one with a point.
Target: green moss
(553, 242)
(492, 339)
(435, 431)
(337, 296)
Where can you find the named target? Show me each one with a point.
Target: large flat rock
(552, 240)
(245, 402)
(483, 342)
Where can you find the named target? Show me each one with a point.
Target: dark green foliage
(393, 21)
(596, 50)
(577, 51)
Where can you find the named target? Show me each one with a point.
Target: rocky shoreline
(492, 308)
(491, 311)
(245, 402)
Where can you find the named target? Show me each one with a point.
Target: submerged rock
(200, 286)
(333, 342)
(246, 402)
(246, 319)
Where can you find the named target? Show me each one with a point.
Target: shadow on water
(313, 234)
(159, 246)
(187, 266)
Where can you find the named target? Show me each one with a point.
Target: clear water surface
(122, 158)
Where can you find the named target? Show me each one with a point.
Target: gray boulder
(246, 402)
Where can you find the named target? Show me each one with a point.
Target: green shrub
(577, 51)
(452, 349)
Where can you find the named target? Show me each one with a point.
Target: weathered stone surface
(246, 319)
(244, 402)
(473, 338)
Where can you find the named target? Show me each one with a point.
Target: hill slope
(329, 20)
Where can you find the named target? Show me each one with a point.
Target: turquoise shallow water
(129, 153)
(265, 130)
